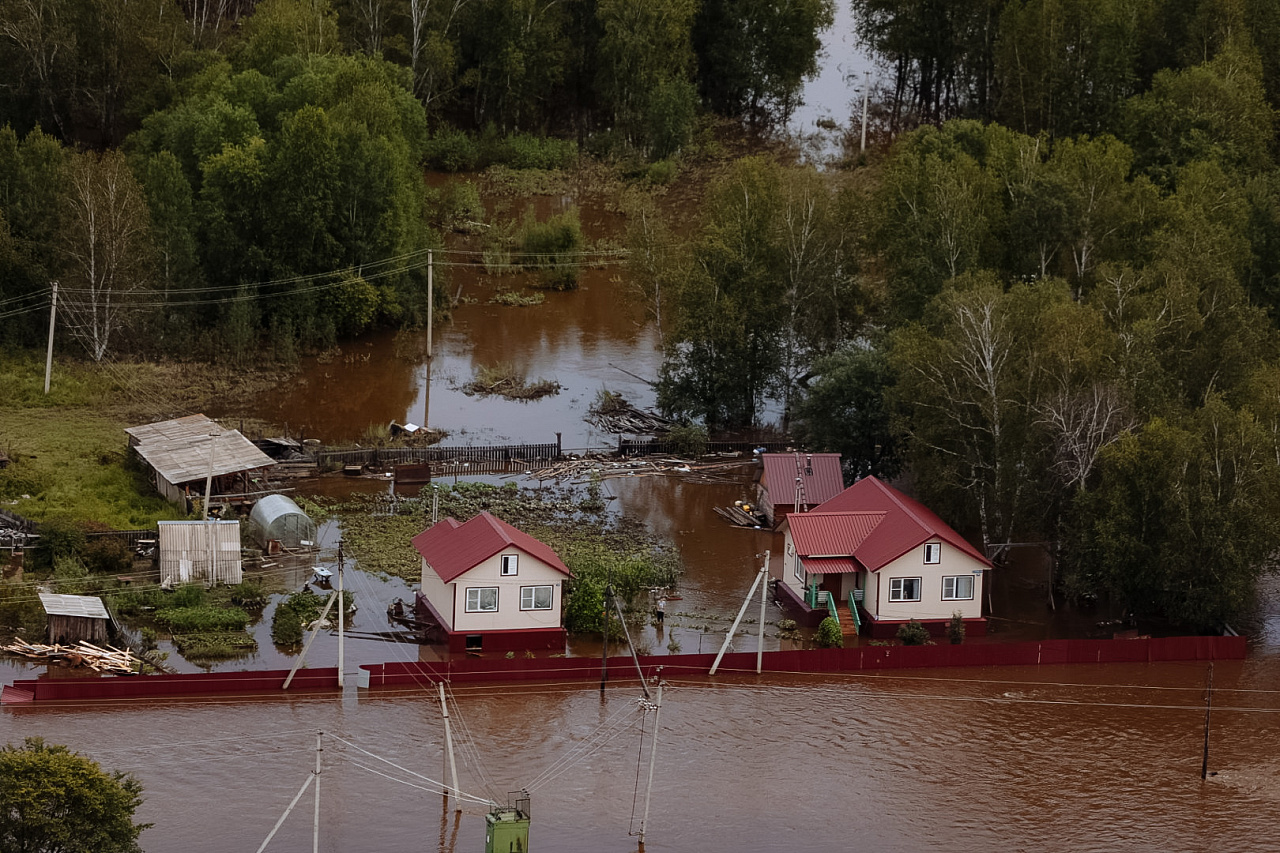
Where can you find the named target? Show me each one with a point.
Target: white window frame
(799, 569)
(532, 592)
(475, 607)
(897, 591)
(934, 550)
(955, 583)
(510, 565)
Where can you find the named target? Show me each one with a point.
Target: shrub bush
(914, 634)
(663, 172)
(550, 247)
(829, 635)
(451, 150)
(107, 555)
(688, 440)
(202, 619)
(955, 629)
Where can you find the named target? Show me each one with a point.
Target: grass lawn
(68, 450)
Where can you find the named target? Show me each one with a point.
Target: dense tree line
(198, 173)
(1064, 326)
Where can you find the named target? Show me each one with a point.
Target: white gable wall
(439, 593)
(953, 562)
(450, 599)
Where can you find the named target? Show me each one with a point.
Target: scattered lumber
(736, 516)
(612, 413)
(84, 653)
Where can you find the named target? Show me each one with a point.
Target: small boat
(323, 576)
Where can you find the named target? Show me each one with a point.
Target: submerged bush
(914, 634)
(829, 635)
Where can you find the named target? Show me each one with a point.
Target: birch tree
(105, 246)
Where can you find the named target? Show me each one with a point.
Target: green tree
(754, 55)
(1065, 67)
(55, 801)
(646, 64)
(844, 412)
(1183, 521)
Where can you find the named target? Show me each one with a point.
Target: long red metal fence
(860, 658)
(422, 673)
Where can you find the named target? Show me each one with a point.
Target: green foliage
(451, 150)
(215, 646)
(62, 537)
(552, 248)
(955, 628)
(844, 412)
(914, 634)
(829, 635)
(107, 555)
(52, 799)
(688, 440)
(662, 172)
(204, 618)
(295, 613)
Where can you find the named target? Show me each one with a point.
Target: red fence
(465, 670)
(856, 659)
(162, 686)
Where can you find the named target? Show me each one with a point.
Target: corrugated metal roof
(452, 549)
(831, 534)
(88, 606)
(828, 565)
(820, 473)
(179, 452)
(178, 429)
(907, 524)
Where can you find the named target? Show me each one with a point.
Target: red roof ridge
(457, 549)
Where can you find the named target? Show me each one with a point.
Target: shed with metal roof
(183, 452)
(72, 618)
(796, 482)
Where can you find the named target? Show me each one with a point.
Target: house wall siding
(508, 616)
(439, 593)
(930, 605)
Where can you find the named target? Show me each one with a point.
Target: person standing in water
(662, 610)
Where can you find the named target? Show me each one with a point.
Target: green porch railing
(853, 608)
(816, 598)
(831, 606)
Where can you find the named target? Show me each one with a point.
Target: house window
(482, 599)
(904, 589)
(799, 568)
(932, 552)
(536, 597)
(958, 588)
(509, 564)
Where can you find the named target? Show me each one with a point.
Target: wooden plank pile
(737, 516)
(110, 659)
(616, 415)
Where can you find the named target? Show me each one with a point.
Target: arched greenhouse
(277, 518)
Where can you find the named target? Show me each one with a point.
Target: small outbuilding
(200, 550)
(276, 518)
(796, 482)
(72, 618)
(182, 453)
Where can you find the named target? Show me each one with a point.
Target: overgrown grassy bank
(67, 450)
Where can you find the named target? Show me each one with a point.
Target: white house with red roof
(791, 482)
(491, 587)
(876, 559)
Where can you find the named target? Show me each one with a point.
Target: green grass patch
(203, 618)
(296, 612)
(219, 645)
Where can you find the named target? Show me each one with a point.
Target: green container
(506, 831)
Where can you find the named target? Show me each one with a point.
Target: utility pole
(342, 617)
(764, 592)
(1208, 707)
(48, 357)
(866, 102)
(431, 300)
(448, 743)
(734, 627)
(653, 756)
(208, 518)
(315, 824)
(604, 635)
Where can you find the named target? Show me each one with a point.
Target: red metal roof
(907, 524)
(831, 534)
(820, 473)
(828, 565)
(452, 549)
